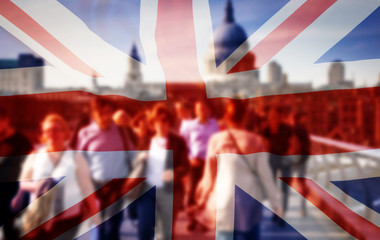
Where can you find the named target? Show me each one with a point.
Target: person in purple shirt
(197, 134)
(109, 154)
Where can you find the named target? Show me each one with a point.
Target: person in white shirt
(167, 165)
(55, 160)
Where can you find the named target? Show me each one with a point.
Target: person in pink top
(109, 152)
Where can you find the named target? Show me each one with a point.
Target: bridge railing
(350, 161)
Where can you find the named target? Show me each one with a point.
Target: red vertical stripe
(176, 44)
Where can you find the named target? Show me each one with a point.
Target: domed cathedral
(228, 38)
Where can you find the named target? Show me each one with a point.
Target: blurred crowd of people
(205, 152)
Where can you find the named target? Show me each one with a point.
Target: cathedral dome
(228, 36)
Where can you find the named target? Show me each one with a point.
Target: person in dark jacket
(279, 135)
(302, 147)
(13, 148)
(167, 164)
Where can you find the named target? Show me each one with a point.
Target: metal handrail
(351, 158)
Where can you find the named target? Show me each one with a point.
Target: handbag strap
(240, 152)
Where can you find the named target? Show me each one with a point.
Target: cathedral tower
(134, 74)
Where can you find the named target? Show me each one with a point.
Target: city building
(274, 73)
(23, 75)
(229, 37)
(336, 73)
(336, 77)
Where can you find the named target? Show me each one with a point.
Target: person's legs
(6, 215)
(112, 227)
(302, 167)
(302, 173)
(109, 229)
(222, 235)
(285, 172)
(165, 212)
(274, 162)
(10, 231)
(63, 223)
(146, 222)
(195, 176)
(252, 234)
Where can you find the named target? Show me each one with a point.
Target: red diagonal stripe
(350, 221)
(283, 34)
(121, 186)
(29, 26)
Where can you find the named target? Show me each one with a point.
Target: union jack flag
(186, 50)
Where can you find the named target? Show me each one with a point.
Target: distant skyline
(117, 23)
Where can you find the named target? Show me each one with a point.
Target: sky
(115, 21)
(306, 59)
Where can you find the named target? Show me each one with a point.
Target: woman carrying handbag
(232, 167)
